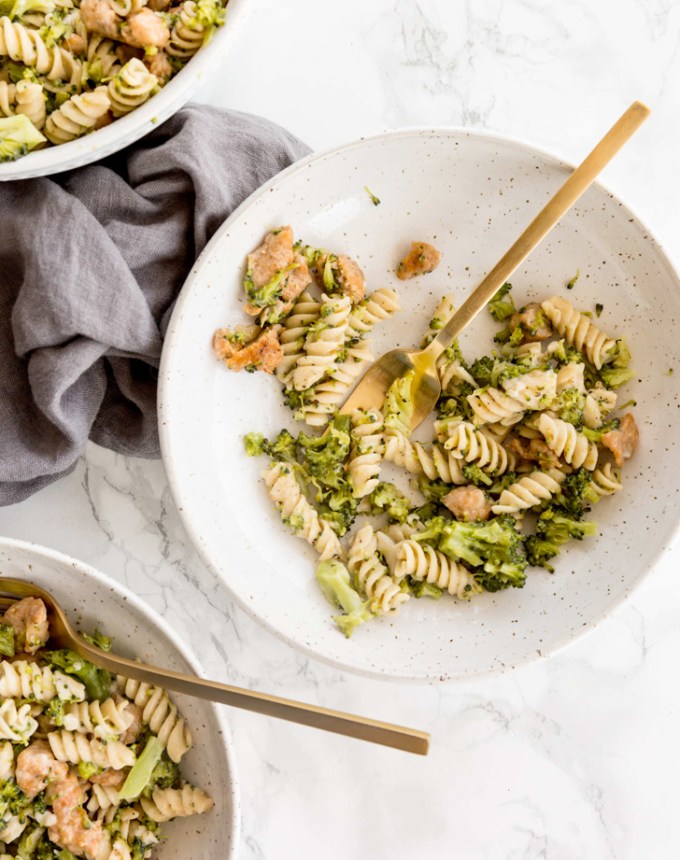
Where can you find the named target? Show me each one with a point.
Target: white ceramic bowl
(126, 130)
(471, 194)
(93, 601)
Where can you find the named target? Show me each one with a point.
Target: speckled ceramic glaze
(129, 128)
(93, 601)
(470, 194)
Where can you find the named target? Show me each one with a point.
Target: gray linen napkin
(91, 262)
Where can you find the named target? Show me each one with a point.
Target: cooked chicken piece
(28, 617)
(75, 43)
(533, 322)
(348, 278)
(534, 451)
(227, 343)
(276, 257)
(141, 30)
(420, 260)
(159, 64)
(623, 442)
(468, 503)
(110, 777)
(37, 767)
(263, 353)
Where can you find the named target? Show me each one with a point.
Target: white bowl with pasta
(100, 105)
(94, 602)
(470, 194)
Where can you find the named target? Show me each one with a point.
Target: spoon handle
(577, 183)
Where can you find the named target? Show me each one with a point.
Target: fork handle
(577, 183)
(363, 728)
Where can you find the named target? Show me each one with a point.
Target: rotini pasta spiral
(23, 680)
(467, 442)
(298, 513)
(606, 481)
(103, 797)
(131, 87)
(30, 101)
(375, 308)
(6, 761)
(530, 491)
(160, 714)
(102, 56)
(434, 460)
(12, 826)
(305, 312)
(566, 441)
(27, 46)
(188, 34)
(366, 451)
(167, 803)
(7, 98)
(371, 575)
(324, 398)
(323, 343)
(74, 748)
(571, 376)
(16, 724)
(579, 331)
(493, 406)
(442, 314)
(107, 719)
(427, 564)
(599, 403)
(77, 116)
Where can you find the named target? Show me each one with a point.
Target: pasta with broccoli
(525, 442)
(84, 769)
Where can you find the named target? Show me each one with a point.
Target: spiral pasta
(598, 404)
(131, 87)
(324, 398)
(570, 375)
(23, 680)
(366, 451)
(74, 747)
(305, 312)
(606, 481)
(375, 308)
(372, 576)
(323, 343)
(27, 46)
(474, 446)
(16, 724)
(579, 331)
(566, 441)
(493, 406)
(188, 34)
(298, 513)
(434, 460)
(160, 714)
(108, 719)
(77, 116)
(427, 564)
(167, 803)
(529, 492)
(6, 761)
(7, 98)
(102, 56)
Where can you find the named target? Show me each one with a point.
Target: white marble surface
(572, 757)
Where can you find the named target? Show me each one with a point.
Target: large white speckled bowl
(126, 130)
(91, 601)
(470, 194)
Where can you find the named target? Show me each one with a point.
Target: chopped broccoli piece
(494, 548)
(596, 435)
(576, 494)
(513, 336)
(55, 711)
(570, 404)
(433, 490)
(12, 799)
(254, 444)
(334, 580)
(476, 476)
(282, 449)
(29, 842)
(598, 309)
(267, 294)
(97, 681)
(482, 370)
(18, 136)
(502, 305)
(456, 404)
(572, 283)
(142, 770)
(398, 408)
(87, 769)
(6, 640)
(325, 455)
(419, 588)
(374, 200)
(98, 640)
(166, 774)
(615, 377)
(553, 530)
(386, 497)
(502, 483)
(209, 13)
(565, 354)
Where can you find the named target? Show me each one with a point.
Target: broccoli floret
(97, 681)
(482, 370)
(337, 505)
(282, 449)
(553, 530)
(565, 354)
(18, 136)
(374, 200)
(12, 799)
(209, 13)
(502, 483)
(267, 294)
(386, 497)
(87, 769)
(502, 305)
(419, 589)
(495, 549)
(596, 435)
(30, 842)
(166, 774)
(456, 403)
(570, 405)
(325, 455)
(55, 711)
(576, 494)
(254, 443)
(334, 581)
(6, 640)
(433, 490)
(512, 336)
(615, 377)
(473, 474)
(399, 404)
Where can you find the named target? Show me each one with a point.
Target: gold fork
(426, 388)
(363, 728)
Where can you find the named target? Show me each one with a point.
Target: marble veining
(572, 757)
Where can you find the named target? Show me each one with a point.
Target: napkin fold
(91, 262)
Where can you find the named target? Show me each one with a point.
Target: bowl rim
(129, 597)
(163, 381)
(139, 122)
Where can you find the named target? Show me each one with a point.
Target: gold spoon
(64, 636)
(426, 388)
